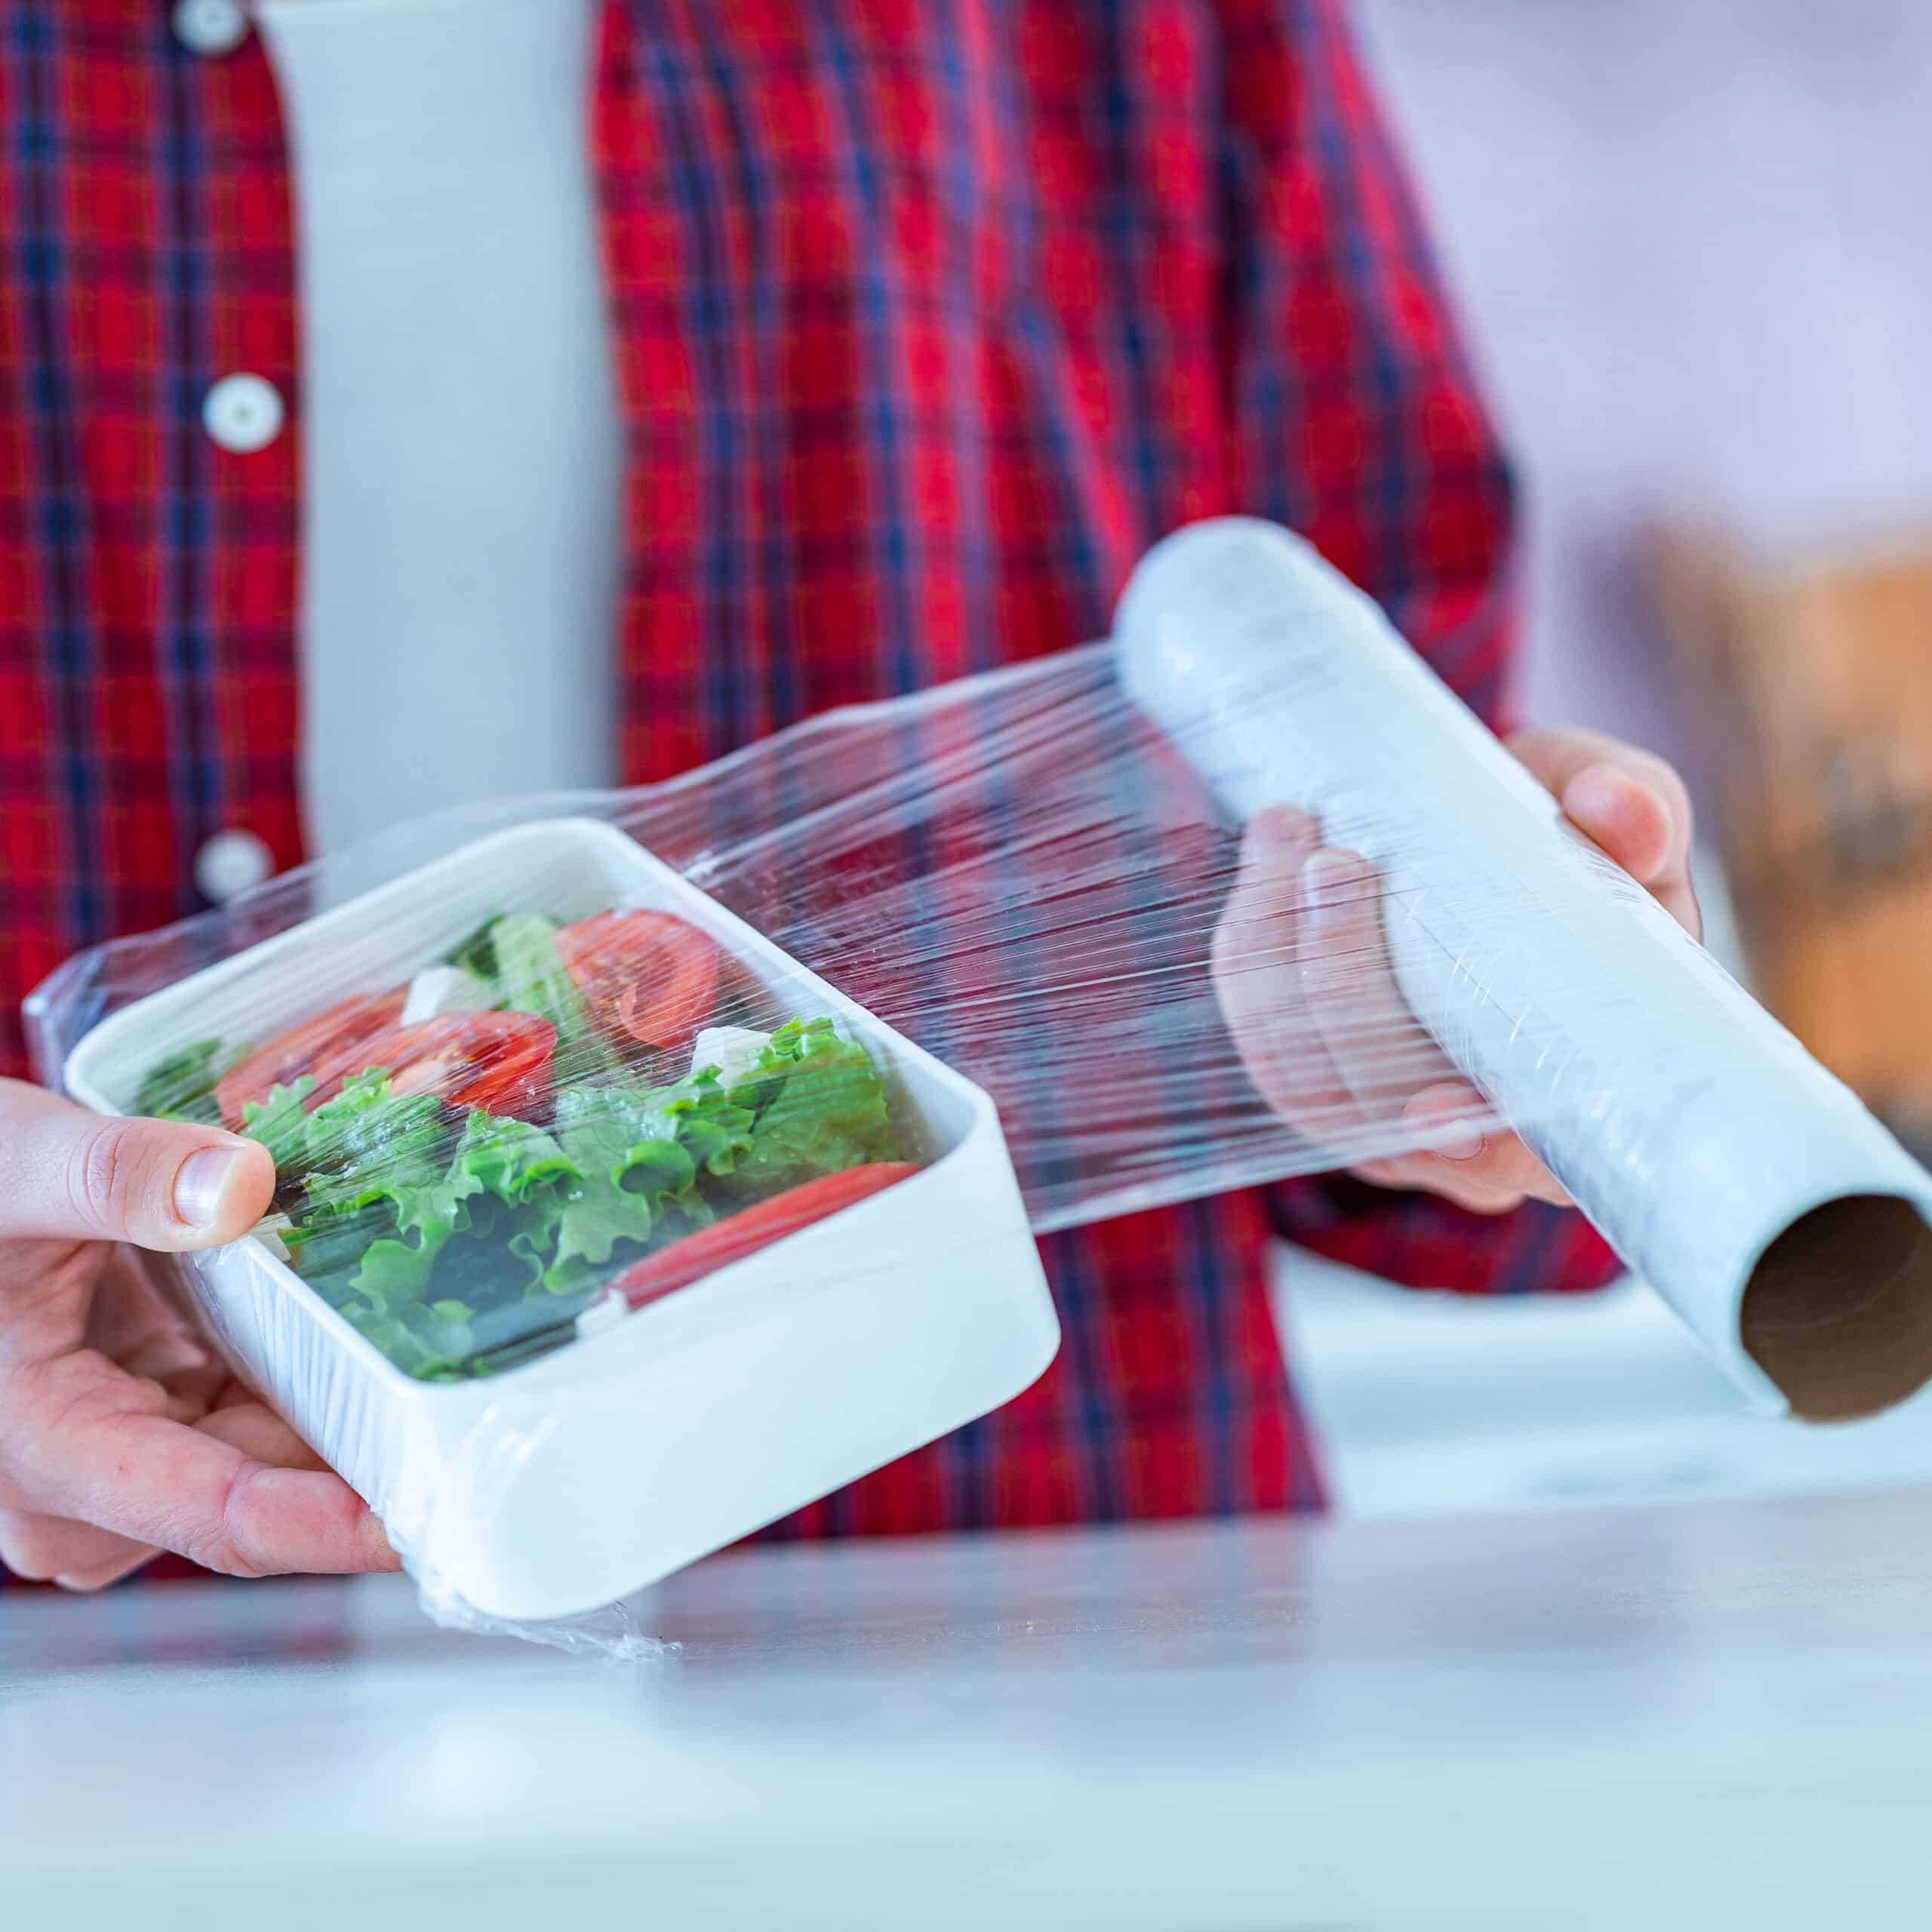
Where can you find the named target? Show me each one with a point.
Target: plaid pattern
(929, 315)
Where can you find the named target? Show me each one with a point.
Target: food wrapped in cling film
(612, 1123)
(604, 1232)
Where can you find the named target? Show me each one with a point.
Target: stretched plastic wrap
(604, 1232)
(1735, 1174)
(652, 1162)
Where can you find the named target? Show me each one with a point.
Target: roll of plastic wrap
(1732, 1172)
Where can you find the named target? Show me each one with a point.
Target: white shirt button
(209, 26)
(228, 863)
(243, 413)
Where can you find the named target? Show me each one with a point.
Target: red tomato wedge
(499, 1062)
(686, 1260)
(651, 977)
(340, 1030)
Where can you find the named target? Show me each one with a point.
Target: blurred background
(1692, 244)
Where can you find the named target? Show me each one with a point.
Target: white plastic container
(557, 1486)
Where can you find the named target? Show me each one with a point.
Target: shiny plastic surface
(1052, 883)
(619, 1436)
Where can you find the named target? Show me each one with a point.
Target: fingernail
(1458, 1140)
(1275, 826)
(171, 1355)
(202, 1183)
(1329, 880)
(1595, 792)
(377, 1549)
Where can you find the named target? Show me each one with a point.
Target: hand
(1304, 980)
(121, 1433)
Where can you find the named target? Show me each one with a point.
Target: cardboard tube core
(1838, 1310)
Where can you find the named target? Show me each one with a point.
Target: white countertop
(1701, 1714)
(1443, 1405)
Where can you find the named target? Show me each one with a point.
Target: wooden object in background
(1816, 680)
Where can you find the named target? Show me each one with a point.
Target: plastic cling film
(652, 1162)
(604, 1232)
(1728, 1168)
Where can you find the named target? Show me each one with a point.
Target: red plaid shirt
(929, 316)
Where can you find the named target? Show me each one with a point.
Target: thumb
(68, 1174)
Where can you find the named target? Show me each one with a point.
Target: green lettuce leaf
(639, 1152)
(430, 1340)
(509, 1157)
(394, 1273)
(382, 1195)
(329, 1249)
(526, 1179)
(716, 1128)
(478, 953)
(454, 1249)
(182, 1086)
(819, 1106)
(368, 1145)
(492, 1214)
(530, 978)
(280, 1124)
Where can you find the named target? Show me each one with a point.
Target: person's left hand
(1303, 973)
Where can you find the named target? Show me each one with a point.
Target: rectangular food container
(556, 1487)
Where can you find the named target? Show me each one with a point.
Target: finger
(79, 1454)
(1466, 1145)
(1376, 1046)
(1634, 828)
(99, 1577)
(1429, 1173)
(68, 1174)
(1629, 801)
(1257, 946)
(246, 1424)
(1629, 821)
(51, 1549)
(102, 1296)
(1556, 758)
(135, 1325)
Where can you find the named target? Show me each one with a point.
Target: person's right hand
(121, 1432)
(1301, 969)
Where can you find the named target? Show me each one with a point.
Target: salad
(550, 1116)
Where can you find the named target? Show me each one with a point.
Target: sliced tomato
(499, 1062)
(341, 1029)
(682, 1262)
(650, 977)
